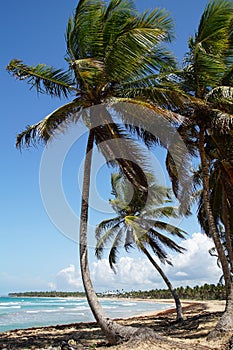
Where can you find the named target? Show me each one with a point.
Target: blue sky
(34, 254)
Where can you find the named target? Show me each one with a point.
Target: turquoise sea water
(16, 313)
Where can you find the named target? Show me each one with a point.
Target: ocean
(19, 313)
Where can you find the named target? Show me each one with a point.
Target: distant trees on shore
(205, 292)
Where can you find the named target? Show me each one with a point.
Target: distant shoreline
(202, 293)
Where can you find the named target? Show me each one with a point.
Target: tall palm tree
(142, 225)
(221, 192)
(114, 54)
(207, 78)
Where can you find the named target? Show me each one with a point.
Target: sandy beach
(199, 319)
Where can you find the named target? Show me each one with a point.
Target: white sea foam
(33, 312)
(76, 313)
(11, 307)
(81, 308)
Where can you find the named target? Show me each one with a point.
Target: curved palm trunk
(113, 331)
(179, 316)
(225, 324)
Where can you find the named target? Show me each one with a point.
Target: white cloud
(130, 272)
(194, 267)
(67, 279)
(181, 274)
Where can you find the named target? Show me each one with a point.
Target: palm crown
(112, 52)
(138, 222)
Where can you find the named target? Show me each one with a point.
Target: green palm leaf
(156, 236)
(209, 48)
(165, 211)
(49, 80)
(47, 127)
(105, 225)
(138, 37)
(85, 36)
(108, 235)
(114, 249)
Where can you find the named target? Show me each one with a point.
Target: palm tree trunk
(228, 235)
(225, 323)
(113, 331)
(179, 312)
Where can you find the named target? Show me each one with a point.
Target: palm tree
(207, 80)
(140, 224)
(221, 192)
(114, 54)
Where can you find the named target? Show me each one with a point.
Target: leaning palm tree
(142, 225)
(207, 78)
(114, 54)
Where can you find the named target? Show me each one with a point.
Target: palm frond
(221, 121)
(214, 24)
(220, 93)
(139, 234)
(211, 43)
(157, 237)
(115, 183)
(122, 6)
(123, 191)
(105, 238)
(129, 239)
(132, 48)
(54, 123)
(156, 246)
(116, 14)
(90, 73)
(113, 254)
(45, 79)
(173, 230)
(124, 154)
(105, 225)
(84, 37)
(157, 89)
(152, 124)
(165, 211)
